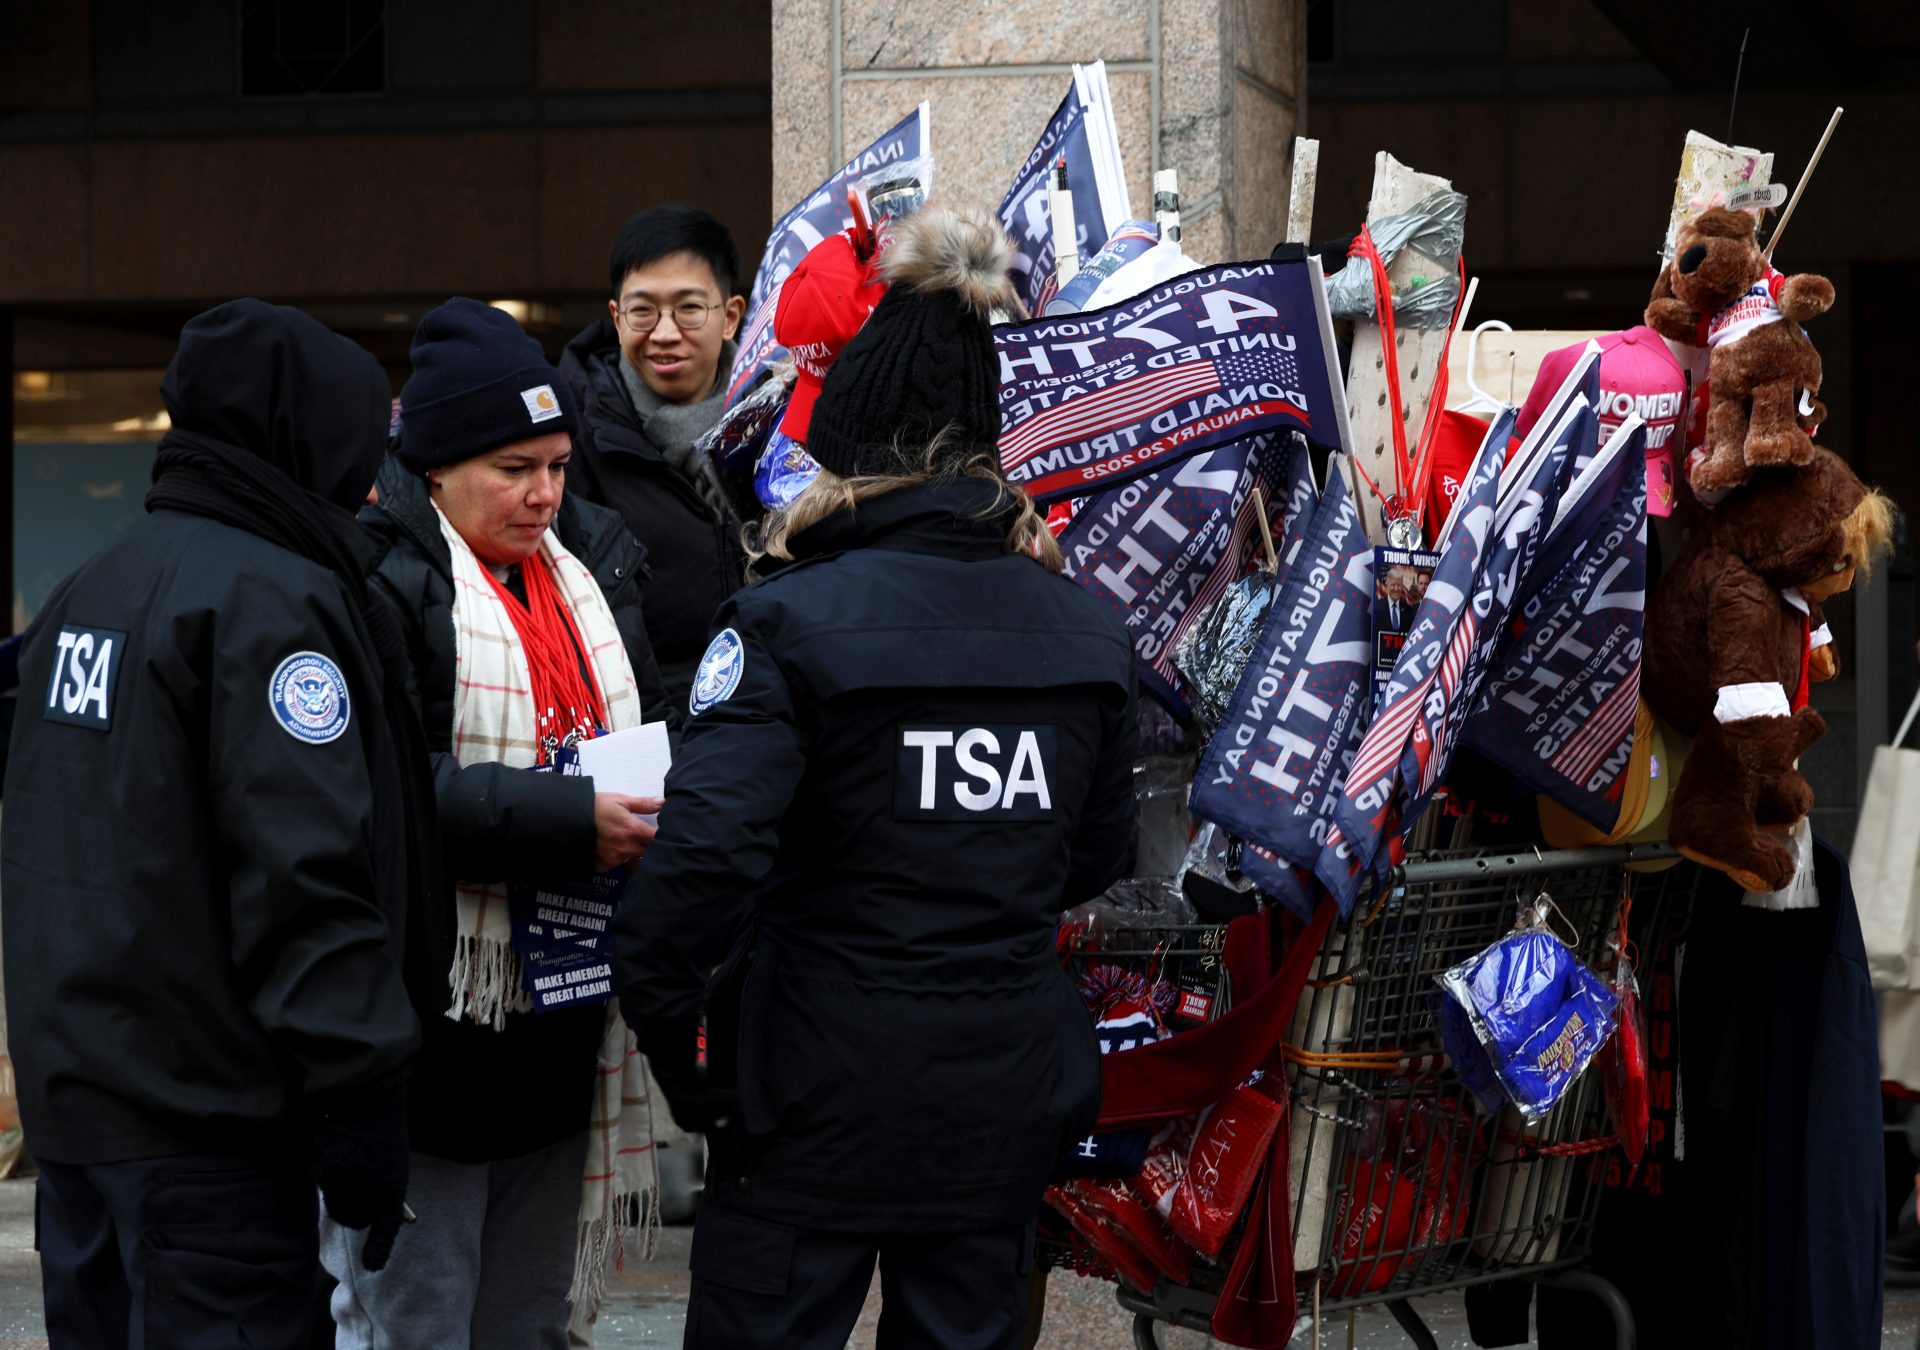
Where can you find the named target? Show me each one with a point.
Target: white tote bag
(1886, 863)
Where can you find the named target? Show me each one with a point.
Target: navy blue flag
(1272, 772)
(1025, 210)
(1295, 887)
(1558, 708)
(1432, 658)
(823, 213)
(1164, 548)
(1530, 489)
(1090, 400)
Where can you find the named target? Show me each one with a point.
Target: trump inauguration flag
(824, 212)
(1219, 354)
(1558, 708)
(1530, 489)
(1273, 770)
(1075, 132)
(1366, 812)
(1163, 548)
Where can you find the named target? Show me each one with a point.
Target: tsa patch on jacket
(720, 671)
(86, 667)
(308, 695)
(975, 773)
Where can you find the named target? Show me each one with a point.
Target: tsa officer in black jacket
(911, 748)
(214, 799)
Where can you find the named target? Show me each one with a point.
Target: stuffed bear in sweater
(1763, 372)
(1734, 637)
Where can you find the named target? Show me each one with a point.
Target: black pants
(178, 1254)
(762, 1284)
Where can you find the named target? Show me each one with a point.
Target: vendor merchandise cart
(1397, 1186)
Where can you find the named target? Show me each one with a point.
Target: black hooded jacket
(694, 558)
(481, 1094)
(912, 752)
(198, 889)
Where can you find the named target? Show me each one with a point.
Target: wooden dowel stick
(1266, 531)
(1801, 186)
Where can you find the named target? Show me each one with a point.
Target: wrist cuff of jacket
(1739, 702)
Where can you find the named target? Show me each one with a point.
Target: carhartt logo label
(86, 666)
(541, 404)
(975, 773)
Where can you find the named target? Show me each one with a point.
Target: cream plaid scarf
(493, 722)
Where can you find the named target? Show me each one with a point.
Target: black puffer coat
(479, 1094)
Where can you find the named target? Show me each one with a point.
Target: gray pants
(486, 1267)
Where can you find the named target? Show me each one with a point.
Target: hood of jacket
(276, 382)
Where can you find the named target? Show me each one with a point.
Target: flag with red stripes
(1557, 709)
(1373, 791)
(1091, 400)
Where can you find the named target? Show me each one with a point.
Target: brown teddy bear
(1732, 640)
(1719, 292)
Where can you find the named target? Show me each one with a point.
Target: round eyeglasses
(688, 316)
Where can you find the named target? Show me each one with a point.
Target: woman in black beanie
(530, 1129)
(911, 748)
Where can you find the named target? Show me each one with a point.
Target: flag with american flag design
(1431, 664)
(1090, 400)
(1557, 710)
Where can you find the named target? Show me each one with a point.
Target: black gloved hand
(360, 1162)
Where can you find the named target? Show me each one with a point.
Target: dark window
(293, 48)
(1323, 31)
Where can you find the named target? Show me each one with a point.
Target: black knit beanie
(478, 382)
(924, 361)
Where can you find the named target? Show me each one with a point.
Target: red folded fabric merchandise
(1132, 1215)
(1223, 1163)
(1107, 1242)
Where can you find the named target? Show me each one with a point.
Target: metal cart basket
(1398, 1186)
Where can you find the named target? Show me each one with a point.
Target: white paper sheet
(633, 761)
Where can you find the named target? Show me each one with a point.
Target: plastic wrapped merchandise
(1540, 1013)
(1161, 786)
(1417, 1154)
(1623, 1067)
(1436, 227)
(1136, 902)
(784, 470)
(1211, 878)
(737, 442)
(1217, 648)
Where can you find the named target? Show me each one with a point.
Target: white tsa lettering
(80, 687)
(993, 772)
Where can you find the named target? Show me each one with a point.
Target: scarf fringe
(602, 1246)
(486, 982)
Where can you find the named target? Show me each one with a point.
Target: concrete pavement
(646, 1302)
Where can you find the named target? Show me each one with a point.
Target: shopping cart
(1398, 1187)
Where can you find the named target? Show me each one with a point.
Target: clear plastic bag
(1536, 1008)
(1216, 649)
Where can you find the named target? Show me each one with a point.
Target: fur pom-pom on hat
(924, 363)
(960, 250)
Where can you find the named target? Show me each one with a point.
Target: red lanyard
(566, 692)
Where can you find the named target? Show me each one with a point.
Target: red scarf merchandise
(566, 693)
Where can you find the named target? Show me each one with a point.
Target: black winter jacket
(194, 943)
(912, 752)
(694, 559)
(479, 1094)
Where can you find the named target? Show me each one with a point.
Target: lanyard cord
(567, 701)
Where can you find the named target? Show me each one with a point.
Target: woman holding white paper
(530, 1127)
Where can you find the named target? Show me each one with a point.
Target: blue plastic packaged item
(784, 470)
(1537, 1011)
(1130, 241)
(1468, 1055)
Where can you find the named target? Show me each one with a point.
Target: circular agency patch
(719, 672)
(308, 695)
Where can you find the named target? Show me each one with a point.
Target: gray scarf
(674, 427)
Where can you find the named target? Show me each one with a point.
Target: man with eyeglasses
(652, 378)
